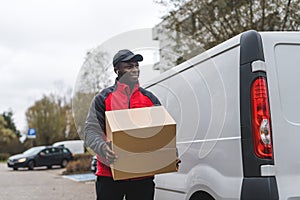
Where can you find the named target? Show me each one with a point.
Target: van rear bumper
(259, 188)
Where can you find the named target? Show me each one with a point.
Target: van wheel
(64, 163)
(31, 165)
(201, 196)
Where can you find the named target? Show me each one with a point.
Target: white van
(75, 146)
(237, 108)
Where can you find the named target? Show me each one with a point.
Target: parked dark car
(94, 164)
(41, 156)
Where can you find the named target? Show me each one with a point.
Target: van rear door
(282, 60)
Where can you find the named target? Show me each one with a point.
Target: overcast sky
(43, 43)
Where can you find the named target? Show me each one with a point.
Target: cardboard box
(144, 140)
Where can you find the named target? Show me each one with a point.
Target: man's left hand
(178, 161)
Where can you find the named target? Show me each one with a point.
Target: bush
(13, 147)
(80, 164)
(4, 156)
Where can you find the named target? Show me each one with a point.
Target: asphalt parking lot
(42, 184)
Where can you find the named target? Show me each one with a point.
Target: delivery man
(124, 94)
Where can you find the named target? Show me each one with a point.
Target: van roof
(229, 44)
(67, 141)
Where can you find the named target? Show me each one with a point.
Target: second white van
(75, 146)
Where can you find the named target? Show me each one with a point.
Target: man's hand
(109, 155)
(178, 161)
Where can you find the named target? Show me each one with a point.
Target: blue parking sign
(31, 133)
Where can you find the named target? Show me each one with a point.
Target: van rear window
(288, 72)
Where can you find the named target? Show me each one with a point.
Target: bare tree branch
(287, 8)
(263, 14)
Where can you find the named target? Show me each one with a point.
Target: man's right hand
(108, 153)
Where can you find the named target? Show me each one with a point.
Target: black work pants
(108, 189)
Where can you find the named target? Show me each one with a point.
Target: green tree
(206, 23)
(48, 118)
(6, 134)
(8, 117)
(53, 120)
(9, 141)
(63, 98)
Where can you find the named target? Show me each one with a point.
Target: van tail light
(261, 123)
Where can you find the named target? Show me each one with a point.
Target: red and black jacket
(117, 97)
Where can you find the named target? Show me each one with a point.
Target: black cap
(125, 55)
